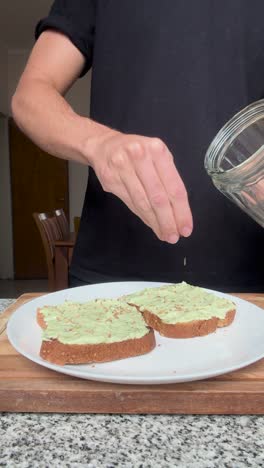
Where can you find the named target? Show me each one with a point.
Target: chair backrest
(50, 232)
(62, 222)
(76, 221)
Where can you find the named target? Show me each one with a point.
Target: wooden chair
(50, 231)
(63, 222)
(76, 222)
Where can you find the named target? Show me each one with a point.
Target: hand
(141, 172)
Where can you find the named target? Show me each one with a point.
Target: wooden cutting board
(28, 387)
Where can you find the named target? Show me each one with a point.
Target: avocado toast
(96, 331)
(182, 311)
(109, 329)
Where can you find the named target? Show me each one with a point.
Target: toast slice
(182, 311)
(95, 331)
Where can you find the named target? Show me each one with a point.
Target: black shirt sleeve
(75, 19)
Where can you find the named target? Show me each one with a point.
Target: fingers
(133, 191)
(126, 186)
(176, 192)
(157, 196)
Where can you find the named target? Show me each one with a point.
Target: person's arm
(139, 170)
(38, 106)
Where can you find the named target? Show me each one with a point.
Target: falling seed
(185, 261)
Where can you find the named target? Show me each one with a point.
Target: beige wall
(3, 79)
(79, 99)
(6, 243)
(6, 255)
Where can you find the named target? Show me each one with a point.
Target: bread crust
(187, 329)
(227, 320)
(59, 353)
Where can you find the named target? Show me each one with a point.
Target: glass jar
(235, 160)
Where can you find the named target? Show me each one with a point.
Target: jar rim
(228, 133)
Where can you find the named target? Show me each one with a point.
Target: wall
(3, 79)
(13, 63)
(79, 99)
(6, 243)
(6, 255)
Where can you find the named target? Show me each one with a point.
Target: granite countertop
(129, 441)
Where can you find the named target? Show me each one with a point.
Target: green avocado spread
(180, 303)
(94, 322)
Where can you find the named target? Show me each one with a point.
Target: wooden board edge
(132, 403)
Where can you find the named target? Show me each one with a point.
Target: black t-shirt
(176, 70)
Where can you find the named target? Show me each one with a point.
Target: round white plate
(173, 360)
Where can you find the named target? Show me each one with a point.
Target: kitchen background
(17, 25)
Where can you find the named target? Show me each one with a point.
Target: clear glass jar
(235, 160)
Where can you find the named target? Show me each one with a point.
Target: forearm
(48, 120)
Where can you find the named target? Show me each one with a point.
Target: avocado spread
(94, 322)
(180, 303)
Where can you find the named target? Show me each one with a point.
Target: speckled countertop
(59, 440)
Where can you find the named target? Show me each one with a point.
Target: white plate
(173, 360)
